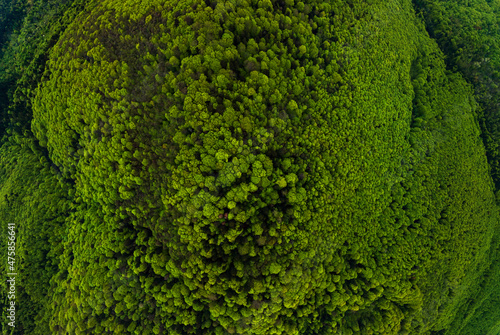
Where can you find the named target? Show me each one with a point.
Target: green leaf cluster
(249, 167)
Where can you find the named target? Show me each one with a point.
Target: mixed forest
(251, 166)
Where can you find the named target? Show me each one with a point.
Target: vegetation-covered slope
(260, 167)
(37, 202)
(468, 33)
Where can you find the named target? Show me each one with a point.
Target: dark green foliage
(468, 33)
(33, 198)
(11, 15)
(38, 25)
(258, 167)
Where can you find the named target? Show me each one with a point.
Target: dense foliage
(468, 33)
(34, 30)
(246, 167)
(37, 201)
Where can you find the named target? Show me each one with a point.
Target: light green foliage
(481, 310)
(262, 167)
(467, 32)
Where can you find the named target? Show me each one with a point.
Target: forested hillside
(251, 167)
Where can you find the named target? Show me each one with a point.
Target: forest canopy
(251, 167)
